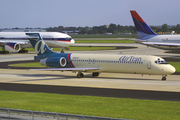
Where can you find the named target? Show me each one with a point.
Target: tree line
(113, 28)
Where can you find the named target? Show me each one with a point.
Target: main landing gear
(164, 77)
(4, 52)
(81, 75)
(95, 74)
(23, 51)
(62, 51)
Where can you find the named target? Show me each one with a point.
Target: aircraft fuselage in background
(14, 41)
(165, 42)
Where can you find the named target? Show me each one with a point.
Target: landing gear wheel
(4, 52)
(95, 74)
(164, 77)
(23, 51)
(80, 75)
(62, 49)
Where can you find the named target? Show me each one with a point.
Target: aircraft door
(149, 64)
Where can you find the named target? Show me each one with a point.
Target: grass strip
(74, 48)
(104, 41)
(104, 36)
(90, 105)
(176, 65)
(33, 64)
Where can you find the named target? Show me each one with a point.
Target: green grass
(87, 48)
(104, 41)
(74, 48)
(33, 64)
(94, 106)
(176, 65)
(104, 36)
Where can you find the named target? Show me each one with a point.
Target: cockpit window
(160, 61)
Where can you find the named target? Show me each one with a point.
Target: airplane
(97, 63)
(149, 38)
(18, 41)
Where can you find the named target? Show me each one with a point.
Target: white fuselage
(163, 38)
(53, 39)
(166, 42)
(140, 64)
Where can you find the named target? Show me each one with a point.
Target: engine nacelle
(12, 47)
(54, 62)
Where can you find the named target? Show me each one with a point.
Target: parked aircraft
(18, 41)
(96, 63)
(148, 37)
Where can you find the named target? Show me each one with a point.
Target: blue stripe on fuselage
(55, 39)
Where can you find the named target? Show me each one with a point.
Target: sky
(75, 13)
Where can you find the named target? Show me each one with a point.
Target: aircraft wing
(161, 44)
(13, 42)
(66, 69)
(2, 42)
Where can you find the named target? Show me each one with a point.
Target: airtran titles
(130, 59)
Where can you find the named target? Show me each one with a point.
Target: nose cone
(172, 69)
(72, 41)
(169, 70)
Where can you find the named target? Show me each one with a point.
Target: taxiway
(105, 80)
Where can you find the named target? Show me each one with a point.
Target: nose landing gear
(164, 77)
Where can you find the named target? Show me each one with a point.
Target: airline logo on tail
(40, 47)
(142, 28)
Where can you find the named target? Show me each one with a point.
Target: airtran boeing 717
(97, 63)
(18, 41)
(148, 37)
